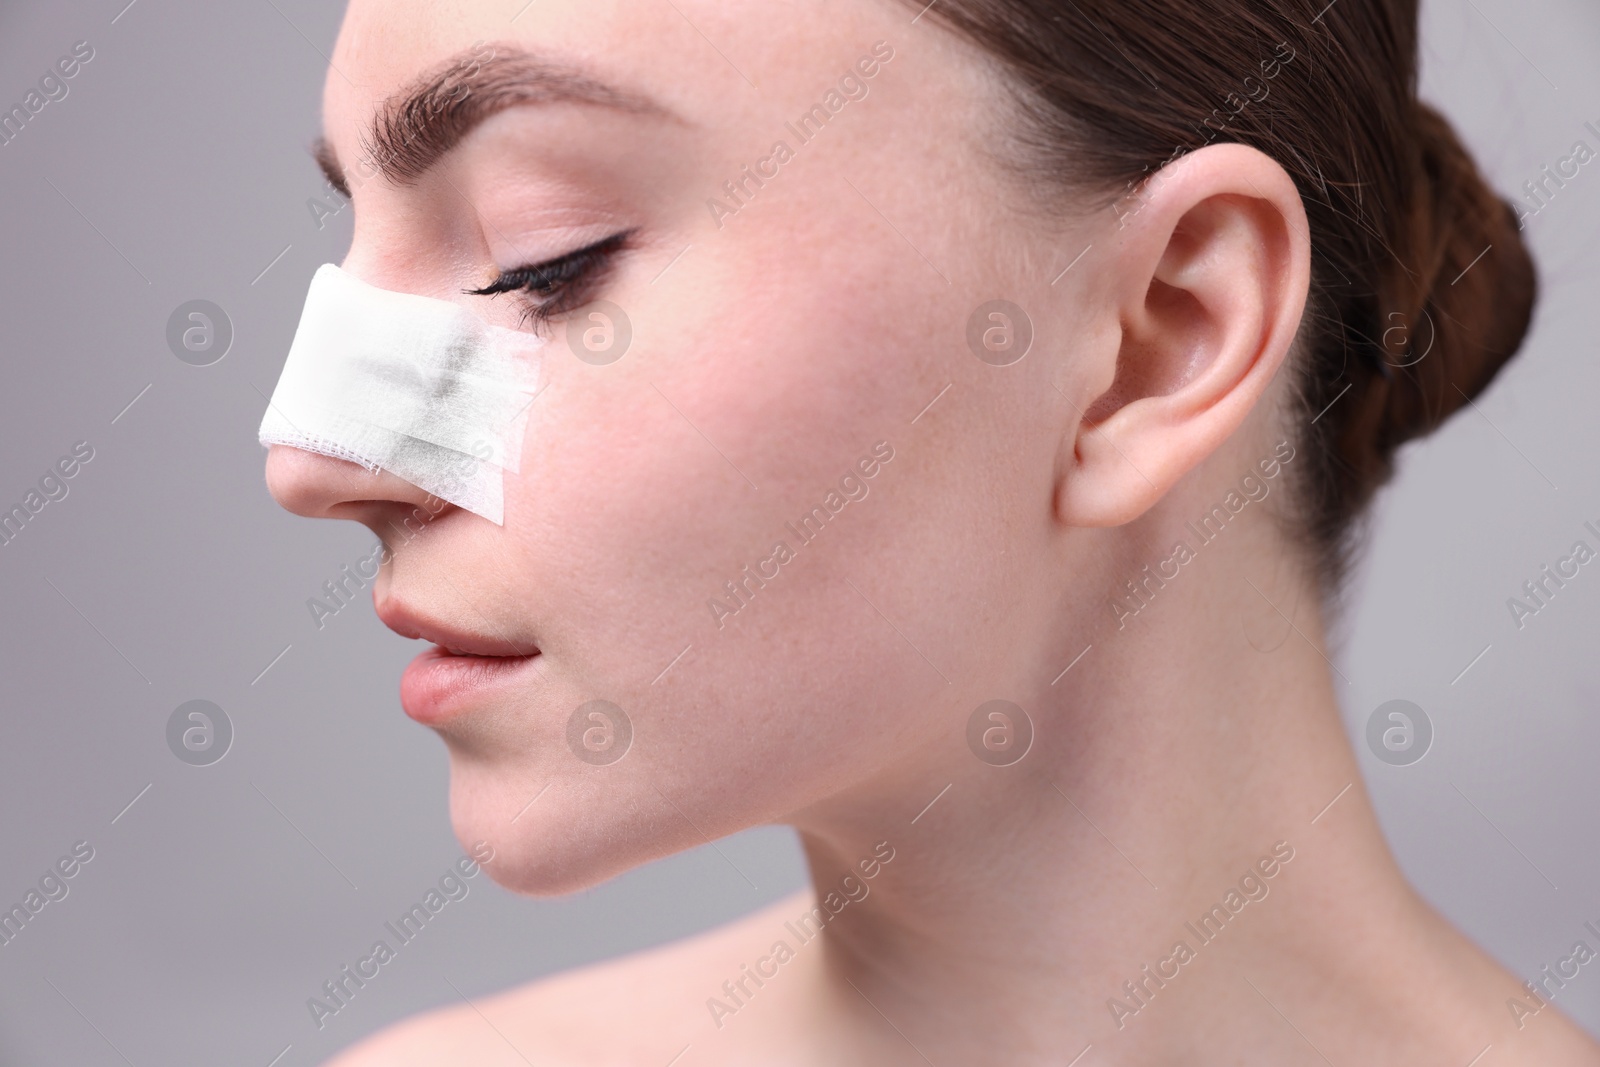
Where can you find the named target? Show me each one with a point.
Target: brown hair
(1421, 286)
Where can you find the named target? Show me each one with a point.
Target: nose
(321, 487)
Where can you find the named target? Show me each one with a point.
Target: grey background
(176, 169)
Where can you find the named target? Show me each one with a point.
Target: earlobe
(1213, 276)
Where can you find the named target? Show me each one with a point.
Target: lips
(463, 670)
(407, 622)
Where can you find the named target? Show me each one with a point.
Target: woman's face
(799, 374)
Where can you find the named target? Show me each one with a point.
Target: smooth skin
(828, 314)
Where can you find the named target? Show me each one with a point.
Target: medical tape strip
(409, 384)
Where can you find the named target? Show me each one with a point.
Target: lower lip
(437, 686)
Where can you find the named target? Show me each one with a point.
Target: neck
(1188, 833)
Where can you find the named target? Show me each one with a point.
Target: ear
(1211, 263)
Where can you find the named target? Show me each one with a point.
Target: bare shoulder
(642, 1008)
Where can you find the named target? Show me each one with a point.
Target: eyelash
(571, 277)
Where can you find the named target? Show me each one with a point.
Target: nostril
(308, 484)
(321, 487)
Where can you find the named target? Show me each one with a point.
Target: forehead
(722, 60)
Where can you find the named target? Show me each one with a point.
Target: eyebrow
(413, 128)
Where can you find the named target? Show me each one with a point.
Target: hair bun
(1460, 302)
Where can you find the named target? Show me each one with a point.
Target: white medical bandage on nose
(419, 387)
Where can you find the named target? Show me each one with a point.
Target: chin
(579, 833)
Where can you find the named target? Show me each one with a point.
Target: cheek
(650, 484)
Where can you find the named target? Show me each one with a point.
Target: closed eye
(558, 285)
